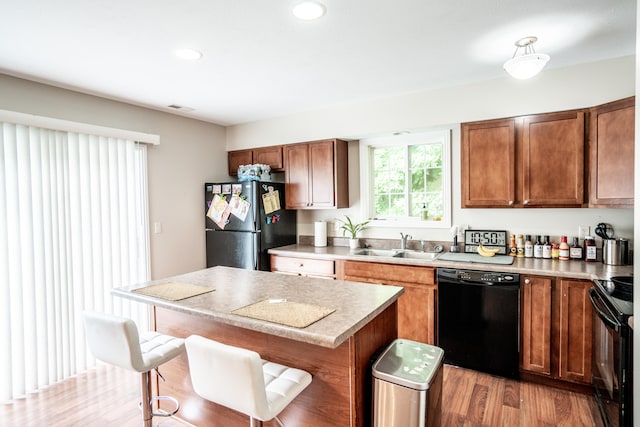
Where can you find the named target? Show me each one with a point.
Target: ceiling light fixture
(309, 10)
(188, 54)
(529, 63)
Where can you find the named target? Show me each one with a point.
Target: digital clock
(492, 239)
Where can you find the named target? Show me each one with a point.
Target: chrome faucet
(403, 240)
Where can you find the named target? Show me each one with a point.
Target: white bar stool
(115, 340)
(239, 379)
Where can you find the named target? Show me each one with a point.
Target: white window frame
(366, 177)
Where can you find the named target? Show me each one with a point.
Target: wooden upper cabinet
(271, 156)
(316, 175)
(553, 159)
(237, 158)
(611, 151)
(531, 161)
(488, 163)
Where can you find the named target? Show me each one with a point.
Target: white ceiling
(261, 62)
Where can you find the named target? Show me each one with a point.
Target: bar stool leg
(254, 422)
(147, 415)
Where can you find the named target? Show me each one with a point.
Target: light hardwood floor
(107, 396)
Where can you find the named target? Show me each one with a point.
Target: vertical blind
(73, 225)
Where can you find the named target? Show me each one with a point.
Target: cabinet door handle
(526, 202)
(510, 202)
(527, 281)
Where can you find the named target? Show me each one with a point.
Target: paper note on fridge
(239, 207)
(218, 206)
(271, 201)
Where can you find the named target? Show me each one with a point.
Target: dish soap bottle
(424, 213)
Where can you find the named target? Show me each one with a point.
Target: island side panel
(338, 395)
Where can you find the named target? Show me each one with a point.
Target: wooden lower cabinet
(416, 306)
(575, 322)
(535, 324)
(556, 326)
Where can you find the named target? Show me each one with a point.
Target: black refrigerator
(244, 220)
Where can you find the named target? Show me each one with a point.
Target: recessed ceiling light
(309, 10)
(188, 54)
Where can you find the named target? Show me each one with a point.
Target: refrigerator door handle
(208, 229)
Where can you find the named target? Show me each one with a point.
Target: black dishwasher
(478, 320)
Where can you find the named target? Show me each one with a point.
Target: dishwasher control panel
(477, 276)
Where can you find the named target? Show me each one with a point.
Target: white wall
(553, 90)
(190, 153)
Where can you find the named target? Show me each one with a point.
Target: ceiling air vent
(180, 108)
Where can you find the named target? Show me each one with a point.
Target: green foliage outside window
(405, 178)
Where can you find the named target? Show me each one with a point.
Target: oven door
(606, 360)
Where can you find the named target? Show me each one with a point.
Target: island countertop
(355, 304)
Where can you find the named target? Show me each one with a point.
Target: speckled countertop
(355, 303)
(541, 267)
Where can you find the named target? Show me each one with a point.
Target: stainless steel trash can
(407, 385)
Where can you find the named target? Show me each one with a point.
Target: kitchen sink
(427, 256)
(397, 253)
(376, 252)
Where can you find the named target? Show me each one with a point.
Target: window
(407, 178)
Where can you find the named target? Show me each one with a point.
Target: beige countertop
(535, 266)
(355, 303)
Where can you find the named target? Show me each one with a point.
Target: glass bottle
(575, 252)
(564, 249)
(555, 250)
(546, 248)
(528, 247)
(590, 251)
(537, 247)
(513, 248)
(520, 246)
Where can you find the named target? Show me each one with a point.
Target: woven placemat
(283, 312)
(173, 291)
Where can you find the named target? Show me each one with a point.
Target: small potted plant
(352, 229)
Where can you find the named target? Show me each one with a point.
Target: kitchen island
(336, 350)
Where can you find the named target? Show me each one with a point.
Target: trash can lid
(409, 363)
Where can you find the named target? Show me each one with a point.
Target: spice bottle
(555, 250)
(513, 248)
(528, 247)
(546, 248)
(520, 246)
(564, 249)
(575, 253)
(537, 247)
(590, 251)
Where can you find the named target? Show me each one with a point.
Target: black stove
(620, 299)
(612, 369)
